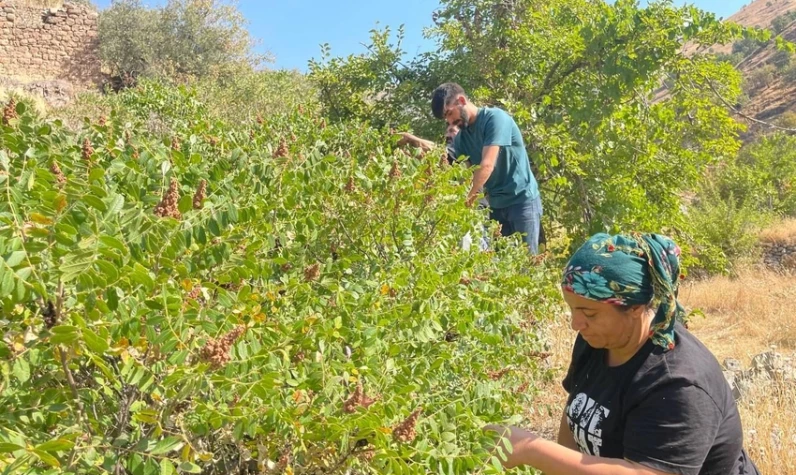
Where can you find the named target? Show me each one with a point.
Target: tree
(128, 34)
(612, 149)
(182, 38)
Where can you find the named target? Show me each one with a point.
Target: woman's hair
(630, 270)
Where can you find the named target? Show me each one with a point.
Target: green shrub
(779, 23)
(763, 175)
(725, 230)
(214, 300)
(164, 106)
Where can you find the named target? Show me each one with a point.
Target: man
(491, 140)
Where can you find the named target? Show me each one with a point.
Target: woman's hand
(520, 439)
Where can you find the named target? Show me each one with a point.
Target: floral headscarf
(636, 269)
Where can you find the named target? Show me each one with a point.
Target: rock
(732, 380)
(732, 365)
(768, 362)
(766, 369)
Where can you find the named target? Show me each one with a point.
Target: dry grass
(783, 232)
(770, 427)
(744, 317)
(548, 405)
(36, 101)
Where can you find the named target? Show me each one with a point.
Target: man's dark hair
(442, 96)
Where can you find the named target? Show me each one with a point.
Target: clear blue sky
(293, 30)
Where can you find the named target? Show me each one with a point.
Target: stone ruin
(780, 255)
(48, 49)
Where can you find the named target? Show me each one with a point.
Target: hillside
(769, 84)
(760, 14)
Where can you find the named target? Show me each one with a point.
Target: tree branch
(741, 114)
(70, 379)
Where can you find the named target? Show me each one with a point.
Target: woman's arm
(555, 459)
(565, 436)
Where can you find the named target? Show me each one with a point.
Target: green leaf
(114, 243)
(496, 463)
(15, 258)
(64, 329)
(7, 447)
(46, 458)
(31, 181)
(448, 436)
(55, 445)
(185, 204)
(75, 264)
(190, 467)
(115, 205)
(64, 338)
(169, 444)
(24, 273)
(214, 228)
(20, 295)
(108, 270)
(102, 366)
(96, 174)
(166, 467)
(141, 276)
(21, 370)
(94, 342)
(112, 296)
(7, 283)
(95, 203)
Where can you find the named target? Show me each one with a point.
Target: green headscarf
(636, 269)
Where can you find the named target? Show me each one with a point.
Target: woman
(645, 396)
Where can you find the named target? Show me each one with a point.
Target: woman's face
(602, 325)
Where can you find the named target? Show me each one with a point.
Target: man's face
(455, 114)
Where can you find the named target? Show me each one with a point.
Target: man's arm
(489, 157)
(409, 139)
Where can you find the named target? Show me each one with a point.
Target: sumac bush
(202, 304)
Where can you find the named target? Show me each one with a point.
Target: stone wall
(780, 255)
(38, 44)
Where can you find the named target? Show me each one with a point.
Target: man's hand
(489, 157)
(411, 140)
(471, 199)
(519, 440)
(407, 139)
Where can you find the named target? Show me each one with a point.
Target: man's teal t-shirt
(511, 181)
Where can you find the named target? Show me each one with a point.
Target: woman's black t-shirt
(671, 411)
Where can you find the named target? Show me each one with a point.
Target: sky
(293, 30)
